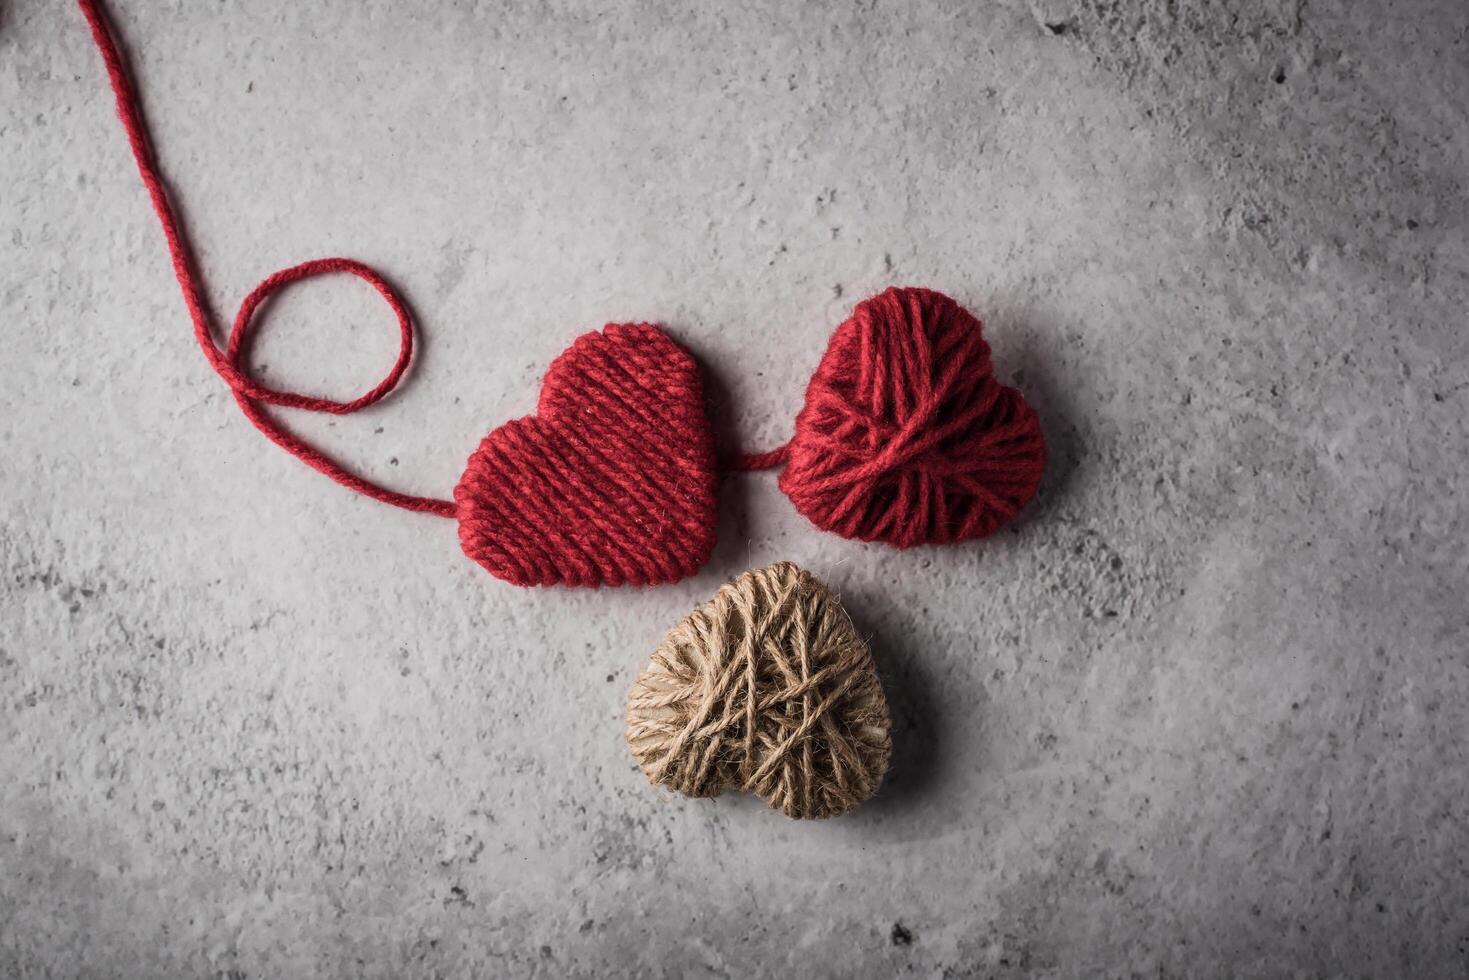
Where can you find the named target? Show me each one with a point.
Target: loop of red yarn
(241, 335)
(252, 396)
(906, 437)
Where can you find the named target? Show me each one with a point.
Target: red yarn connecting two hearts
(905, 437)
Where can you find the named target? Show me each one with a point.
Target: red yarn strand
(749, 462)
(251, 395)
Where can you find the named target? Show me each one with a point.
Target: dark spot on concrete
(1058, 28)
(1279, 76)
(546, 952)
(393, 461)
(610, 678)
(1116, 563)
(1411, 224)
(901, 936)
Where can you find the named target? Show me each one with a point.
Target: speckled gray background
(1201, 713)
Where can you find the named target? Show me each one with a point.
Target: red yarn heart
(906, 437)
(612, 482)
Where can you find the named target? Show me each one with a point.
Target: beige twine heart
(767, 688)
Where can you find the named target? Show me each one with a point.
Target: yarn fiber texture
(613, 480)
(767, 688)
(905, 436)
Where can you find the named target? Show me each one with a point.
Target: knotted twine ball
(906, 437)
(767, 688)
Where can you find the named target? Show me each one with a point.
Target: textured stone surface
(1201, 713)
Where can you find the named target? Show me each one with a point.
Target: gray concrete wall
(1200, 713)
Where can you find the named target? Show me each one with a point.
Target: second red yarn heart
(906, 437)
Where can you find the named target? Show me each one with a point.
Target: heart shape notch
(611, 482)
